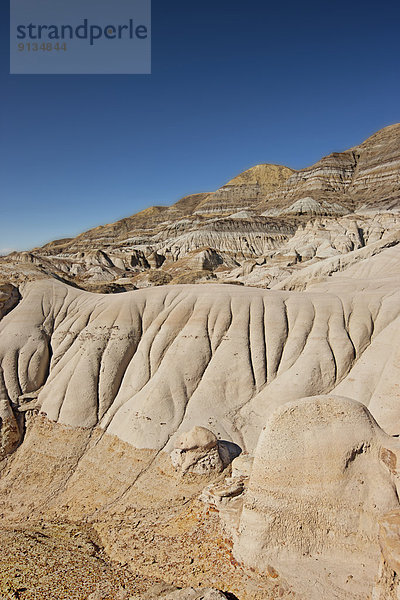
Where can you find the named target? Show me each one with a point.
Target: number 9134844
(45, 47)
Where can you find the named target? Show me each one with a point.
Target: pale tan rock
(353, 262)
(197, 451)
(201, 461)
(227, 498)
(196, 438)
(242, 465)
(323, 474)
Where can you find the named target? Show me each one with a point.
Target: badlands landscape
(202, 401)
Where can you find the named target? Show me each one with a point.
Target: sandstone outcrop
(323, 474)
(197, 452)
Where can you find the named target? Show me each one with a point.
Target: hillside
(257, 229)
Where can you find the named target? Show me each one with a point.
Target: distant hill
(256, 229)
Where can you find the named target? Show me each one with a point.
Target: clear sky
(233, 84)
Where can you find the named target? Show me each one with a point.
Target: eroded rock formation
(271, 215)
(323, 474)
(152, 363)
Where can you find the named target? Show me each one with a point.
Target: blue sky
(233, 84)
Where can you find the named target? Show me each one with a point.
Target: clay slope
(147, 364)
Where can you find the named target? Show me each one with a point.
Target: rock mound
(199, 451)
(323, 473)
